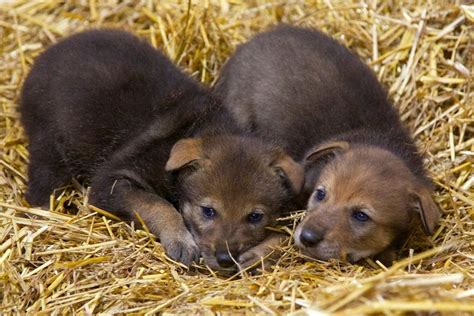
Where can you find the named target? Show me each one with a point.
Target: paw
(252, 259)
(180, 246)
(264, 252)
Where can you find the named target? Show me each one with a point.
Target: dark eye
(360, 216)
(320, 193)
(208, 212)
(255, 217)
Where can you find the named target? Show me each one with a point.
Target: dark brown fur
(107, 108)
(326, 108)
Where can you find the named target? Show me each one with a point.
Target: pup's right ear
(427, 208)
(326, 150)
(291, 171)
(184, 152)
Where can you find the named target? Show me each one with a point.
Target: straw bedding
(77, 259)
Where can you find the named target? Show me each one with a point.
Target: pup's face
(364, 200)
(235, 189)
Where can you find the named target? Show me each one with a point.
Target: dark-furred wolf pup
(109, 109)
(365, 184)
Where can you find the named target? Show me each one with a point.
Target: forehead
(239, 174)
(367, 176)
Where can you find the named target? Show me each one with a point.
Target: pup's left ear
(289, 169)
(326, 150)
(184, 152)
(427, 208)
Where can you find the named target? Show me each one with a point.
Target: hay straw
(76, 258)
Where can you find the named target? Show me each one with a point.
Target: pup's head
(230, 188)
(364, 201)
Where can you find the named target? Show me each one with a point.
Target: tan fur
(183, 152)
(427, 209)
(376, 182)
(293, 171)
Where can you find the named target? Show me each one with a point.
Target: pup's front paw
(253, 257)
(258, 257)
(180, 246)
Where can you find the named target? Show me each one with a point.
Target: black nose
(310, 237)
(224, 259)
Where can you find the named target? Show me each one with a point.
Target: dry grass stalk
(64, 262)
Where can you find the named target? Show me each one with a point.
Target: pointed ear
(184, 152)
(325, 150)
(290, 171)
(426, 207)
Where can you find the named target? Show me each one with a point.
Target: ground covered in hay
(72, 259)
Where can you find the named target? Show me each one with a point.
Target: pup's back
(97, 90)
(302, 87)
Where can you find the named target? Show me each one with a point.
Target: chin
(355, 256)
(322, 252)
(323, 256)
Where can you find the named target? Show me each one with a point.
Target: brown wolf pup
(365, 183)
(107, 108)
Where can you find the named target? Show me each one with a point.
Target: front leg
(267, 250)
(124, 196)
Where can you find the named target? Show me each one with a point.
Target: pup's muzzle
(310, 237)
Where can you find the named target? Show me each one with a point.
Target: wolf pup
(107, 108)
(364, 178)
